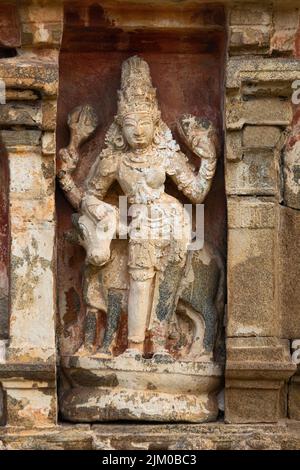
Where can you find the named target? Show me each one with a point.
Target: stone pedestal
(131, 389)
(256, 373)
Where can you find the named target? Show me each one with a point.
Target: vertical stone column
(28, 132)
(258, 112)
(289, 273)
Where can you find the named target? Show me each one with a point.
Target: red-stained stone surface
(9, 26)
(187, 70)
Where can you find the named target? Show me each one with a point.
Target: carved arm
(199, 136)
(82, 122)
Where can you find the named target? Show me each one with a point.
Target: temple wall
(241, 61)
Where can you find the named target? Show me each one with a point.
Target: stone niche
(185, 50)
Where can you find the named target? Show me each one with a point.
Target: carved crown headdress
(137, 93)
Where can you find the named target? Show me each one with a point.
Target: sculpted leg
(90, 329)
(139, 303)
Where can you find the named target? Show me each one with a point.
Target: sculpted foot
(163, 356)
(104, 354)
(132, 353)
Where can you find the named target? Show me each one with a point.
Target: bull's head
(95, 235)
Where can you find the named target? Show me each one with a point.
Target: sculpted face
(138, 130)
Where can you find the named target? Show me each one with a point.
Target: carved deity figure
(140, 153)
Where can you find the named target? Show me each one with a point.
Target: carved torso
(141, 177)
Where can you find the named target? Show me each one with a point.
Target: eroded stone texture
(125, 389)
(251, 264)
(263, 28)
(262, 185)
(289, 268)
(259, 114)
(284, 436)
(256, 371)
(31, 82)
(27, 407)
(286, 23)
(294, 398)
(291, 169)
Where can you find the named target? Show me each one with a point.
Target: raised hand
(198, 135)
(82, 122)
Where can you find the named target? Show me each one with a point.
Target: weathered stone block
(261, 136)
(12, 114)
(234, 146)
(48, 143)
(31, 175)
(259, 70)
(251, 264)
(283, 41)
(289, 271)
(250, 14)
(21, 95)
(247, 402)
(286, 22)
(31, 211)
(254, 349)
(126, 390)
(31, 408)
(286, 18)
(21, 72)
(263, 111)
(252, 213)
(13, 139)
(252, 38)
(291, 160)
(254, 174)
(294, 398)
(208, 436)
(265, 88)
(32, 321)
(257, 369)
(49, 110)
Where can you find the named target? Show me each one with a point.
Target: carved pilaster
(27, 119)
(258, 115)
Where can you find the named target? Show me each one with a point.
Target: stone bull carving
(198, 292)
